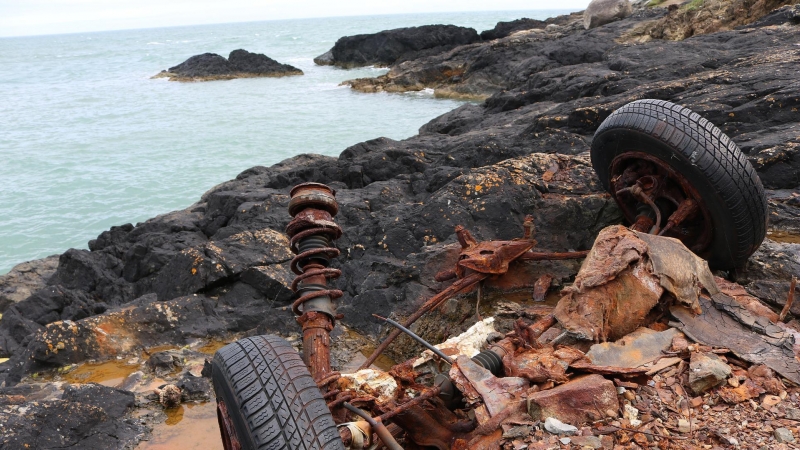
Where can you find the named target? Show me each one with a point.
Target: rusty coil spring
(312, 231)
(314, 252)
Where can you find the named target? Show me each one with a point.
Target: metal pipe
(411, 334)
(430, 393)
(546, 256)
(377, 425)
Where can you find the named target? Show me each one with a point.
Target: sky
(34, 17)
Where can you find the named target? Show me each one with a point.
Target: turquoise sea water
(88, 140)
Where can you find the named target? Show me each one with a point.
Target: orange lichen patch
(189, 427)
(109, 373)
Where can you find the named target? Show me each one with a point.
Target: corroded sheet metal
(718, 329)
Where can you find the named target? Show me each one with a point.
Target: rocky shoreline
(218, 269)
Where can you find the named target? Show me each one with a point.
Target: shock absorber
(312, 231)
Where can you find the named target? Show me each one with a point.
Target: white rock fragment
(556, 426)
(373, 382)
(468, 343)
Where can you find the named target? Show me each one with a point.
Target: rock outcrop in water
(391, 46)
(240, 64)
(219, 269)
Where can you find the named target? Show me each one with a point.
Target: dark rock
(503, 29)
(706, 371)
(117, 332)
(60, 424)
(240, 64)
(114, 402)
(195, 389)
(24, 279)
(249, 63)
(49, 304)
(163, 363)
(387, 47)
(325, 59)
(273, 282)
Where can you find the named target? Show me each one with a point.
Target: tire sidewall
(225, 393)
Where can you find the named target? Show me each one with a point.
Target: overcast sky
(31, 17)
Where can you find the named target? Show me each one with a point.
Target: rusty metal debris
(643, 185)
(717, 328)
(624, 278)
(789, 300)
(481, 391)
(477, 261)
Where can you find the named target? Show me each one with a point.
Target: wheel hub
(229, 439)
(657, 199)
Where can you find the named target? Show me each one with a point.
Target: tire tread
(275, 398)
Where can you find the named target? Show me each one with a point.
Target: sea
(88, 140)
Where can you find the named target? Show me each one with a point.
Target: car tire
(708, 159)
(266, 398)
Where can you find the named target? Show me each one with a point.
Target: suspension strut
(312, 231)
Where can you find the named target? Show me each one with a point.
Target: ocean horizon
(88, 140)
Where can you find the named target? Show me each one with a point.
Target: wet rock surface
(219, 268)
(24, 279)
(240, 64)
(387, 47)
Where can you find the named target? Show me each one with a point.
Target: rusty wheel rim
(665, 186)
(226, 429)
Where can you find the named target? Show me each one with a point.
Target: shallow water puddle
(784, 236)
(212, 346)
(109, 373)
(188, 427)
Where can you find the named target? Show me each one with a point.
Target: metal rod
(377, 425)
(430, 393)
(637, 192)
(417, 338)
(546, 256)
(789, 300)
(455, 288)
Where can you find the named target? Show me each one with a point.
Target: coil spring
(314, 253)
(312, 230)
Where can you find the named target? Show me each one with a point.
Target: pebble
(556, 426)
(793, 413)
(683, 426)
(783, 435)
(588, 441)
(770, 401)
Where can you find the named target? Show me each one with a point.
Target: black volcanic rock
(220, 266)
(57, 424)
(260, 64)
(240, 64)
(503, 29)
(390, 46)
